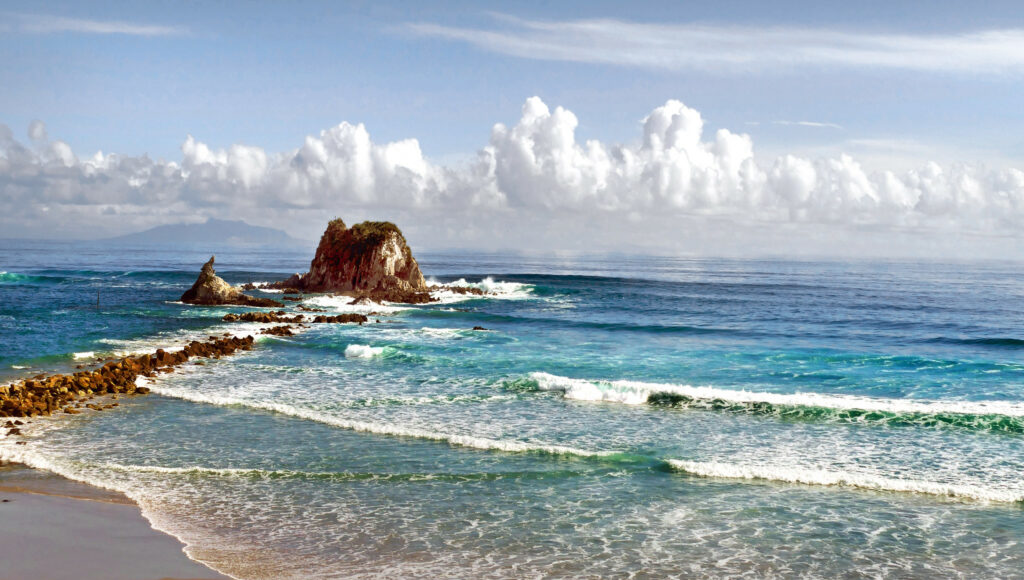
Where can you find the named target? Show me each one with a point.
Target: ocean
(620, 417)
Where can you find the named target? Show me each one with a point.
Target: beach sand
(52, 528)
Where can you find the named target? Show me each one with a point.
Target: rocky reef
(211, 290)
(44, 395)
(370, 260)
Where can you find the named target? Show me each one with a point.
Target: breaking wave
(788, 474)
(363, 351)
(979, 415)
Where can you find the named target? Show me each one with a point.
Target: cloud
(532, 181)
(813, 124)
(46, 24)
(731, 49)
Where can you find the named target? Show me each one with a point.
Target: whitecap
(363, 351)
(494, 289)
(636, 393)
(341, 304)
(83, 355)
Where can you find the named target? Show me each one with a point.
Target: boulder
(211, 290)
(370, 260)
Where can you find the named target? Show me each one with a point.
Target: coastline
(56, 528)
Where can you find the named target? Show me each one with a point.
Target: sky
(732, 128)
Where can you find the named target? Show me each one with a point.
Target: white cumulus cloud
(531, 176)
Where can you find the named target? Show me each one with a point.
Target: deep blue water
(621, 416)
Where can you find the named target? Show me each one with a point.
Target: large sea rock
(369, 260)
(211, 290)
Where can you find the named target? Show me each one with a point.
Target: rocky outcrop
(341, 319)
(44, 395)
(278, 317)
(266, 317)
(211, 290)
(370, 260)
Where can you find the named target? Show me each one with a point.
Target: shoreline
(57, 528)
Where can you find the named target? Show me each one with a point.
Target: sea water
(619, 417)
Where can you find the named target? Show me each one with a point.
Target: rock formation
(211, 290)
(44, 395)
(370, 260)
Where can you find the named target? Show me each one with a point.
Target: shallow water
(621, 417)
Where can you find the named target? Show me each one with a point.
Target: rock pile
(341, 318)
(278, 317)
(283, 330)
(265, 317)
(42, 395)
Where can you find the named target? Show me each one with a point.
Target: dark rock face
(370, 260)
(211, 290)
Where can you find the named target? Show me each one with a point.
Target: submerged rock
(211, 290)
(369, 260)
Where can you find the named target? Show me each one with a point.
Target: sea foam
(805, 476)
(363, 351)
(636, 393)
(494, 289)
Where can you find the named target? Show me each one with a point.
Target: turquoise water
(621, 417)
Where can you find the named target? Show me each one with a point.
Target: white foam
(262, 287)
(636, 393)
(443, 333)
(842, 479)
(175, 341)
(83, 355)
(341, 304)
(378, 428)
(494, 290)
(363, 351)
(19, 367)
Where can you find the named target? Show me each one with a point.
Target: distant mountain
(213, 232)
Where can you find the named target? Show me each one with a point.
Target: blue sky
(895, 85)
(270, 73)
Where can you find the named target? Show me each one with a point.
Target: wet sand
(52, 528)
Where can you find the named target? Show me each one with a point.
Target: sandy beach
(52, 528)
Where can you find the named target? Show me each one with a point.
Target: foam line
(842, 479)
(635, 393)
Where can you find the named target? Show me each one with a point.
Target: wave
(482, 443)
(15, 278)
(493, 288)
(994, 341)
(83, 355)
(363, 351)
(341, 304)
(262, 287)
(807, 476)
(981, 415)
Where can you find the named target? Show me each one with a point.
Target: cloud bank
(730, 49)
(531, 180)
